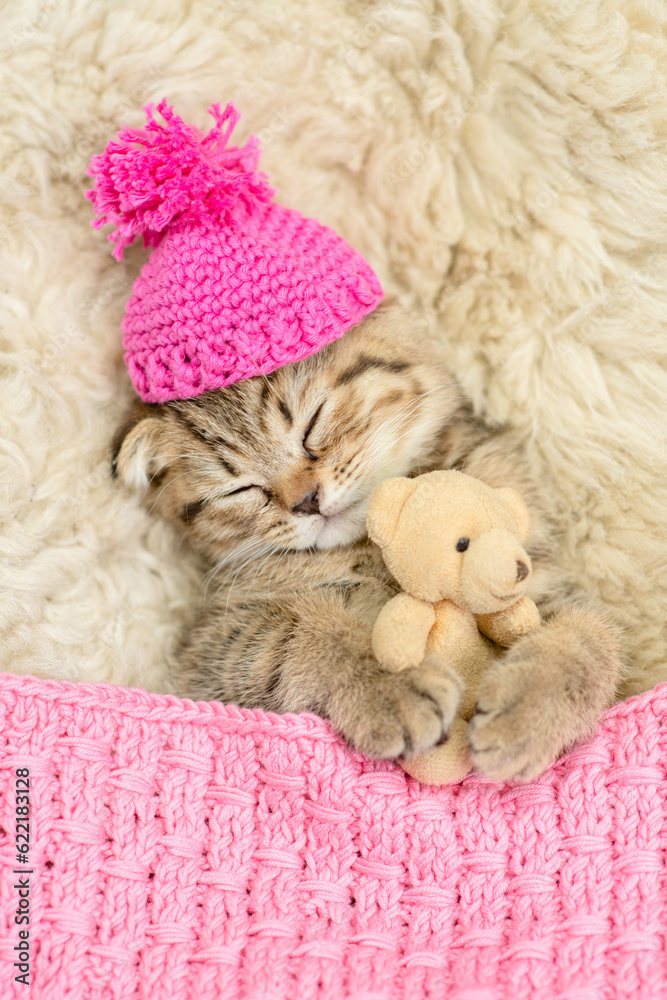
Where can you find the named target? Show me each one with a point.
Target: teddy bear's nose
(521, 570)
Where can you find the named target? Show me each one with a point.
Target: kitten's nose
(310, 503)
(521, 570)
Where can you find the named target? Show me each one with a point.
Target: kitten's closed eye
(313, 420)
(244, 489)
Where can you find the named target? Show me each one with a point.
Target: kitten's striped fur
(270, 480)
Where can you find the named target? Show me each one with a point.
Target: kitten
(270, 480)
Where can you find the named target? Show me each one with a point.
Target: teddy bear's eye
(462, 544)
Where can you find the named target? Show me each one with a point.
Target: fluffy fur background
(501, 165)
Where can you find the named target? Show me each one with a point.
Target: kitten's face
(292, 458)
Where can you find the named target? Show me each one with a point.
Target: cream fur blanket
(502, 165)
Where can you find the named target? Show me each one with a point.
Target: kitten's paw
(545, 693)
(400, 715)
(512, 734)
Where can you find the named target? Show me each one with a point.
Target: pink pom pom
(153, 176)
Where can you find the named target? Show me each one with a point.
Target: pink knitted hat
(237, 285)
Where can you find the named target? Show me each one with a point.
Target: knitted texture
(238, 285)
(188, 850)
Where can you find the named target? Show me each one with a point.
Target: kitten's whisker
(170, 458)
(149, 511)
(387, 438)
(281, 556)
(174, 480)
(404, 412)
(232, 584)
(264, 561)
(261, 374)
(400, 438)
(263, 549)
(244, 549)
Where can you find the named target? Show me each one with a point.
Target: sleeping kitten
(270, 480)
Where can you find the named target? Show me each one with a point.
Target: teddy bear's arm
(400, 632)
(504, 627)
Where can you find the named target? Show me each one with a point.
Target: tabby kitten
(270, 479)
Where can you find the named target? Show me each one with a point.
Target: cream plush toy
(455, 546)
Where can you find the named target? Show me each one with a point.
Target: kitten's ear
(517, 505)
(384, 510)
(137, 447)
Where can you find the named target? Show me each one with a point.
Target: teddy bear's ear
(384, 510)
(519, 510)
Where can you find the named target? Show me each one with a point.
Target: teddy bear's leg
(457, 640)
(546, 692)
(444, 764)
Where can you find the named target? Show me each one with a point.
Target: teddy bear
(455, 547)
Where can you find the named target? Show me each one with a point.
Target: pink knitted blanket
(201, 851)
